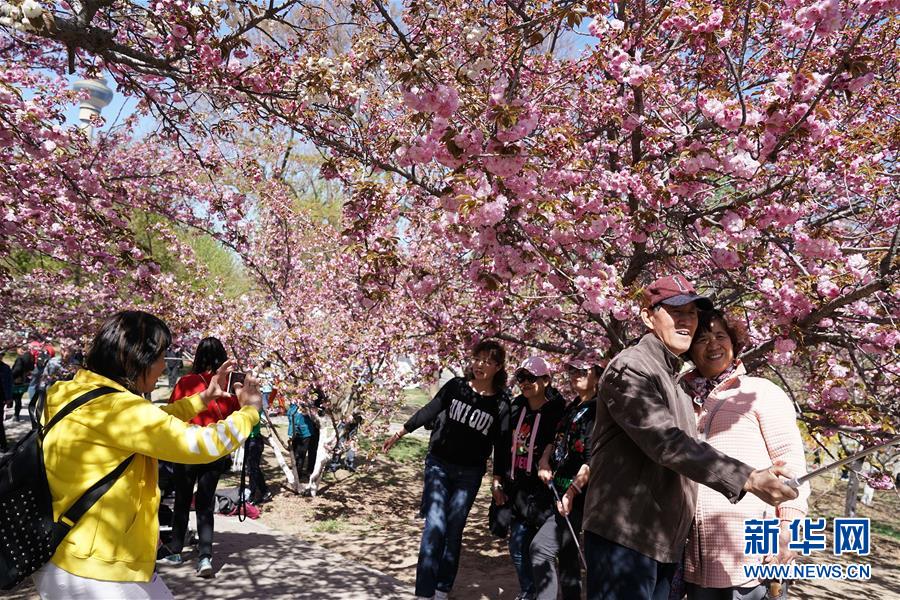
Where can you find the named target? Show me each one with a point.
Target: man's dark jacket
(644, 456)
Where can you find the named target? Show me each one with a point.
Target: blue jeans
(618, 573)
(265, 401)
(520, 536)
(449, 493)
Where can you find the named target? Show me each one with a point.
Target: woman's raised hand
(248, 393)
(218, 385)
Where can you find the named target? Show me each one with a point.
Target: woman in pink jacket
(752, 420)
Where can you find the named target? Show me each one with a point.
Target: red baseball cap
(675, 290)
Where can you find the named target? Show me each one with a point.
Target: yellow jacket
(116, 539)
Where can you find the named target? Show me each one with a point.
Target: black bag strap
(76, 404)
(62, 527)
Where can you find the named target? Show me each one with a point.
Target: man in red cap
(645, 461)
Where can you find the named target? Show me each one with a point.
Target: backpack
(224, 504)
(30, 534)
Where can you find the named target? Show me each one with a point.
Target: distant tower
(100, 96)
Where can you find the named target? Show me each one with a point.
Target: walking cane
(571, 529)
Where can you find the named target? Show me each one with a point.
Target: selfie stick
(571, 529)
(798, 481)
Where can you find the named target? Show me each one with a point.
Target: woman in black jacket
(564, 465)
(533, 418)
(474, 413)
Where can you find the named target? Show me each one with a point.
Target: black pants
(3, 445)
(173, 373)
(300, 446)
(17, 404)
(618, 573)
(206, 478)
(36, 405)
(554, 541)
(254, 450)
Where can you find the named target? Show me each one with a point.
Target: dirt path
(827, 500)
(371, 517)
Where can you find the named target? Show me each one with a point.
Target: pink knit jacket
(750, 419)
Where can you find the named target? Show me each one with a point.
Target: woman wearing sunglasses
(472, 419)
(534, 415)
(565, 466)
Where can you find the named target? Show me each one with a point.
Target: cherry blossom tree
(521, 169)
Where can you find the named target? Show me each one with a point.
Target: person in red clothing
(209, 357)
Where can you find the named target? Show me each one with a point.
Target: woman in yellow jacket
(111, 551)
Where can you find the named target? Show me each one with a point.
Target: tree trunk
(852, 488)
(286, 454)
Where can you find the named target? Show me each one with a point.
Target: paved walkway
(253, 561)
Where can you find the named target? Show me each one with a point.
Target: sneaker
(171, 559)
(204, 568)
(441, 595)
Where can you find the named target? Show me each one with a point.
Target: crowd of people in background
(37, 366)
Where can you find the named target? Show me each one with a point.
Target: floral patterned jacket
(572, 446)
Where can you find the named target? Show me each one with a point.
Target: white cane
(571, 529)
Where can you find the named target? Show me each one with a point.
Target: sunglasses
(577, 372)
(525, 378)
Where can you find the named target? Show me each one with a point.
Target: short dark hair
(735, 330)
(126, 346)
(498, 355)
(209, 356)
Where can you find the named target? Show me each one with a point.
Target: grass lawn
(416, 397)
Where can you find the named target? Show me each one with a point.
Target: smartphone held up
(235, 377)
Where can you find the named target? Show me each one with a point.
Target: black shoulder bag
(28, 533)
